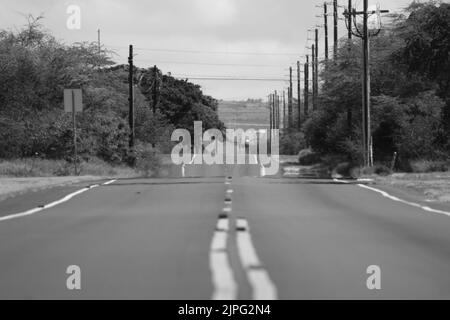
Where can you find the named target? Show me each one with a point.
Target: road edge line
(413, 204)
(52, 204)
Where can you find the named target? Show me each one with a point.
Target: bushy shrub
(343, 169)
(308, 157)
(423, 166)
(292, 143)
(377, 169)
(148, 160)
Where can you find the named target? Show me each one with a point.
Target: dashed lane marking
(225, 286)
(262, 286)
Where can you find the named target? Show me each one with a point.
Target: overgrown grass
(431, 186)
(60, 168)
(425, 166)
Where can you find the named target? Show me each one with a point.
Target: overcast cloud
(278, 27)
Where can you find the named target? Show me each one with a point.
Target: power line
(211, 52)
(231, 79)
(211, 64)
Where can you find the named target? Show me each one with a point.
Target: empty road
(204, 236)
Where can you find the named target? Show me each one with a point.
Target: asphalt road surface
(204, 236)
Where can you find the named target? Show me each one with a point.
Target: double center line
(224, 281)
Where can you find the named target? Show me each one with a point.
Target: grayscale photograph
(246, 152)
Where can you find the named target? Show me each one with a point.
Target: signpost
(73, 102)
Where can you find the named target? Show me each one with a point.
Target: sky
(237, 39)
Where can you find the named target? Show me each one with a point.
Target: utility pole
(271, 122)
(317, 63)
(99, 43)
(271, 113)
(278, 112)
(325, 16)
(290, 102)
(131, 98)
(155, 89)
(335, 13)
(349, 109)
(288, 113)
(274, 112)
(306, 82)
(365, 35)
(299, 116)
(274, 115)
(350, 20)
(366, 89)
(284, 110)
(313, 68)
(316, 66)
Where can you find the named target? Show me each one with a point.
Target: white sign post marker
(73, 102)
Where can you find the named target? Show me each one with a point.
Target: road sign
(73, 97)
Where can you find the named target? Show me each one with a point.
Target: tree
(426, 36)
(407, 92)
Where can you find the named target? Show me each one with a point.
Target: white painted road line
(262, 170)
(225, 286)
(110, 182)
(183, 167)
(387, 195)
(223, 225)
(393, 198)
(226, 210)
(219, 242)
(51, 205)
(262, 286)
(341, 181)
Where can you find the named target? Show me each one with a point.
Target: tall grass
(424, 166)
(59, 168)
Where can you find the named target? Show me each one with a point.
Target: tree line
(410, 88)
(35, 68)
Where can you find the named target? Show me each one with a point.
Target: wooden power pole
(299, 92)
(306, 83)
(316, 70)
(325, 25)
(335, 14)
(284, 110)
(365, 35)
(290, 96)
(131, 98)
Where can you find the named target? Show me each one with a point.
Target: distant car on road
(247, 143)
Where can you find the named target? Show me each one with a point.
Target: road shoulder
(21, 194)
